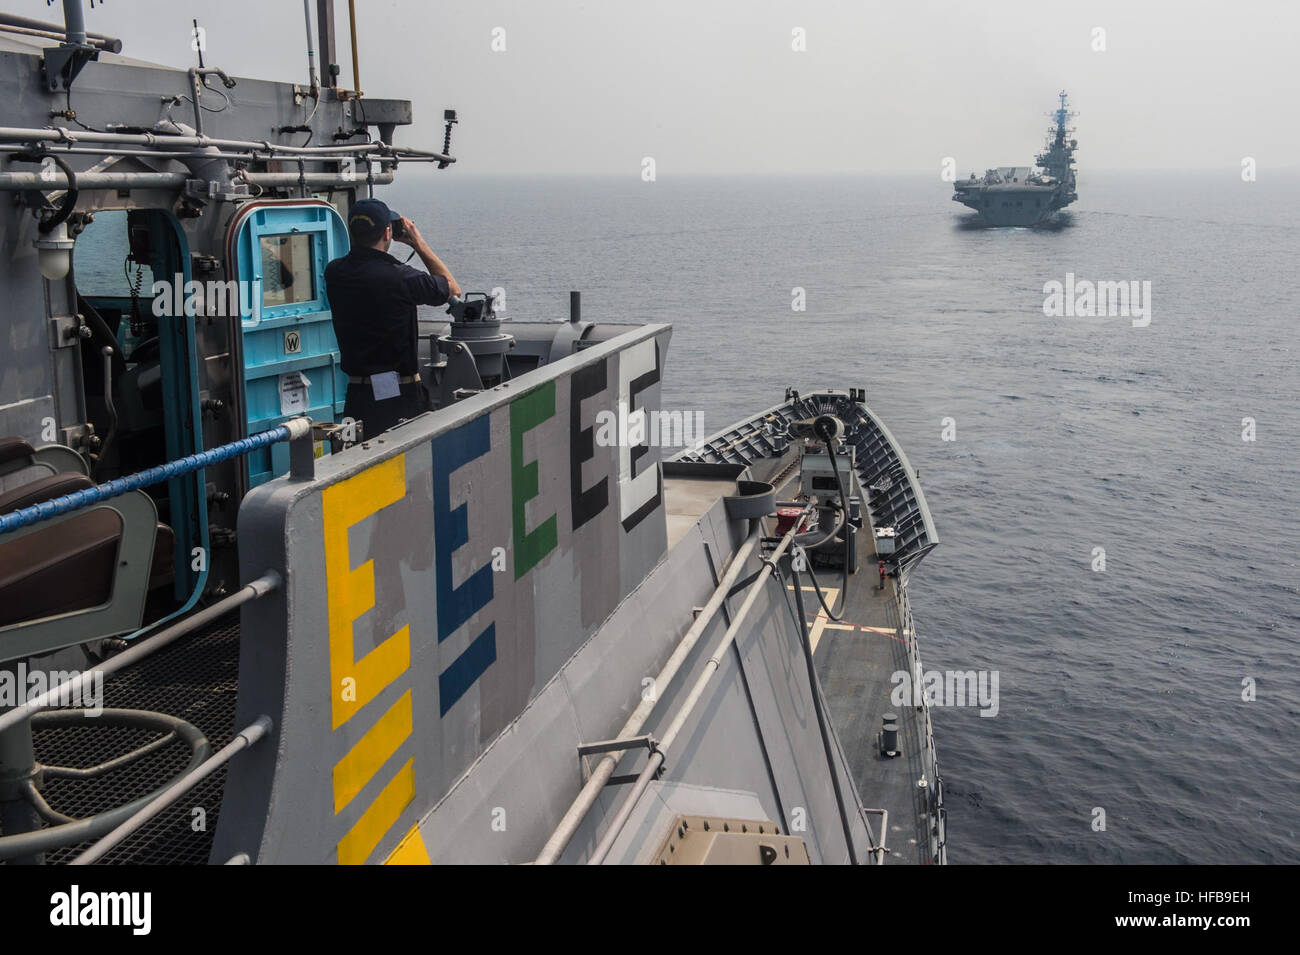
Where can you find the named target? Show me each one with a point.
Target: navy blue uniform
(373, 298)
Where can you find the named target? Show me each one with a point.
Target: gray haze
(714, 87)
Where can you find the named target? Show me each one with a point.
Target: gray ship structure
(1027, 195)
(243, 630)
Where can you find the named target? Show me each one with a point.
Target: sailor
(373, 298)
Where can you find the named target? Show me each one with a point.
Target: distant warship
(1027, 195)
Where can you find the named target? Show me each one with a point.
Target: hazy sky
(713, 86)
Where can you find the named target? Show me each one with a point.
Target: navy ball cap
(369, 218)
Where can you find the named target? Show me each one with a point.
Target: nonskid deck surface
(857, 656)
(855, 659)
(195, 679)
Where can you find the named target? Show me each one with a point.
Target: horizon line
(836, 174)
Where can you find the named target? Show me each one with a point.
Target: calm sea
(1120, 690)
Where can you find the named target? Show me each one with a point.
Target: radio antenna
(198, 41)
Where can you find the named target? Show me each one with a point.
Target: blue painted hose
(27, 516)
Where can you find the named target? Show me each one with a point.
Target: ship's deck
(856, 658)
(195, 679)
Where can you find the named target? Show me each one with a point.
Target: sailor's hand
(411, 236)
(427, 255)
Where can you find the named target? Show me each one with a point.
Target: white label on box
(293, 393)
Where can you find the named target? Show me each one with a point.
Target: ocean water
(1119, 689)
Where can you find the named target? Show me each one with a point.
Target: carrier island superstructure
(490, 634)
(1027, 195)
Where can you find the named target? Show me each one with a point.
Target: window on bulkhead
(288, 276)
(101, 259)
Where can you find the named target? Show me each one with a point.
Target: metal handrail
(655, 762)
(73, 831)
(28, 844)
(63, 135)
(254, 590)
(591, 790)
(879, 850)
(293, 429)
(56, 31)
(931, 763)
(190, 152)
(243, 739)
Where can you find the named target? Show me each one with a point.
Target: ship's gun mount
(464, 309)
(474, 351)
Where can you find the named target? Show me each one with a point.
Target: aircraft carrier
(1027, 195)
(236, 628)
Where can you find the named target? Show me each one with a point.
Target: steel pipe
(293, 429)
(356, 64)
(107, 46)
(86, 181)
(656, 759)
(274, 180)
(54, 30)
(258, 588)
(879, 850)
(22, 845)
(61, 134)
(244, 739)
(590, 791)
(74, 22)
(114, 153)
